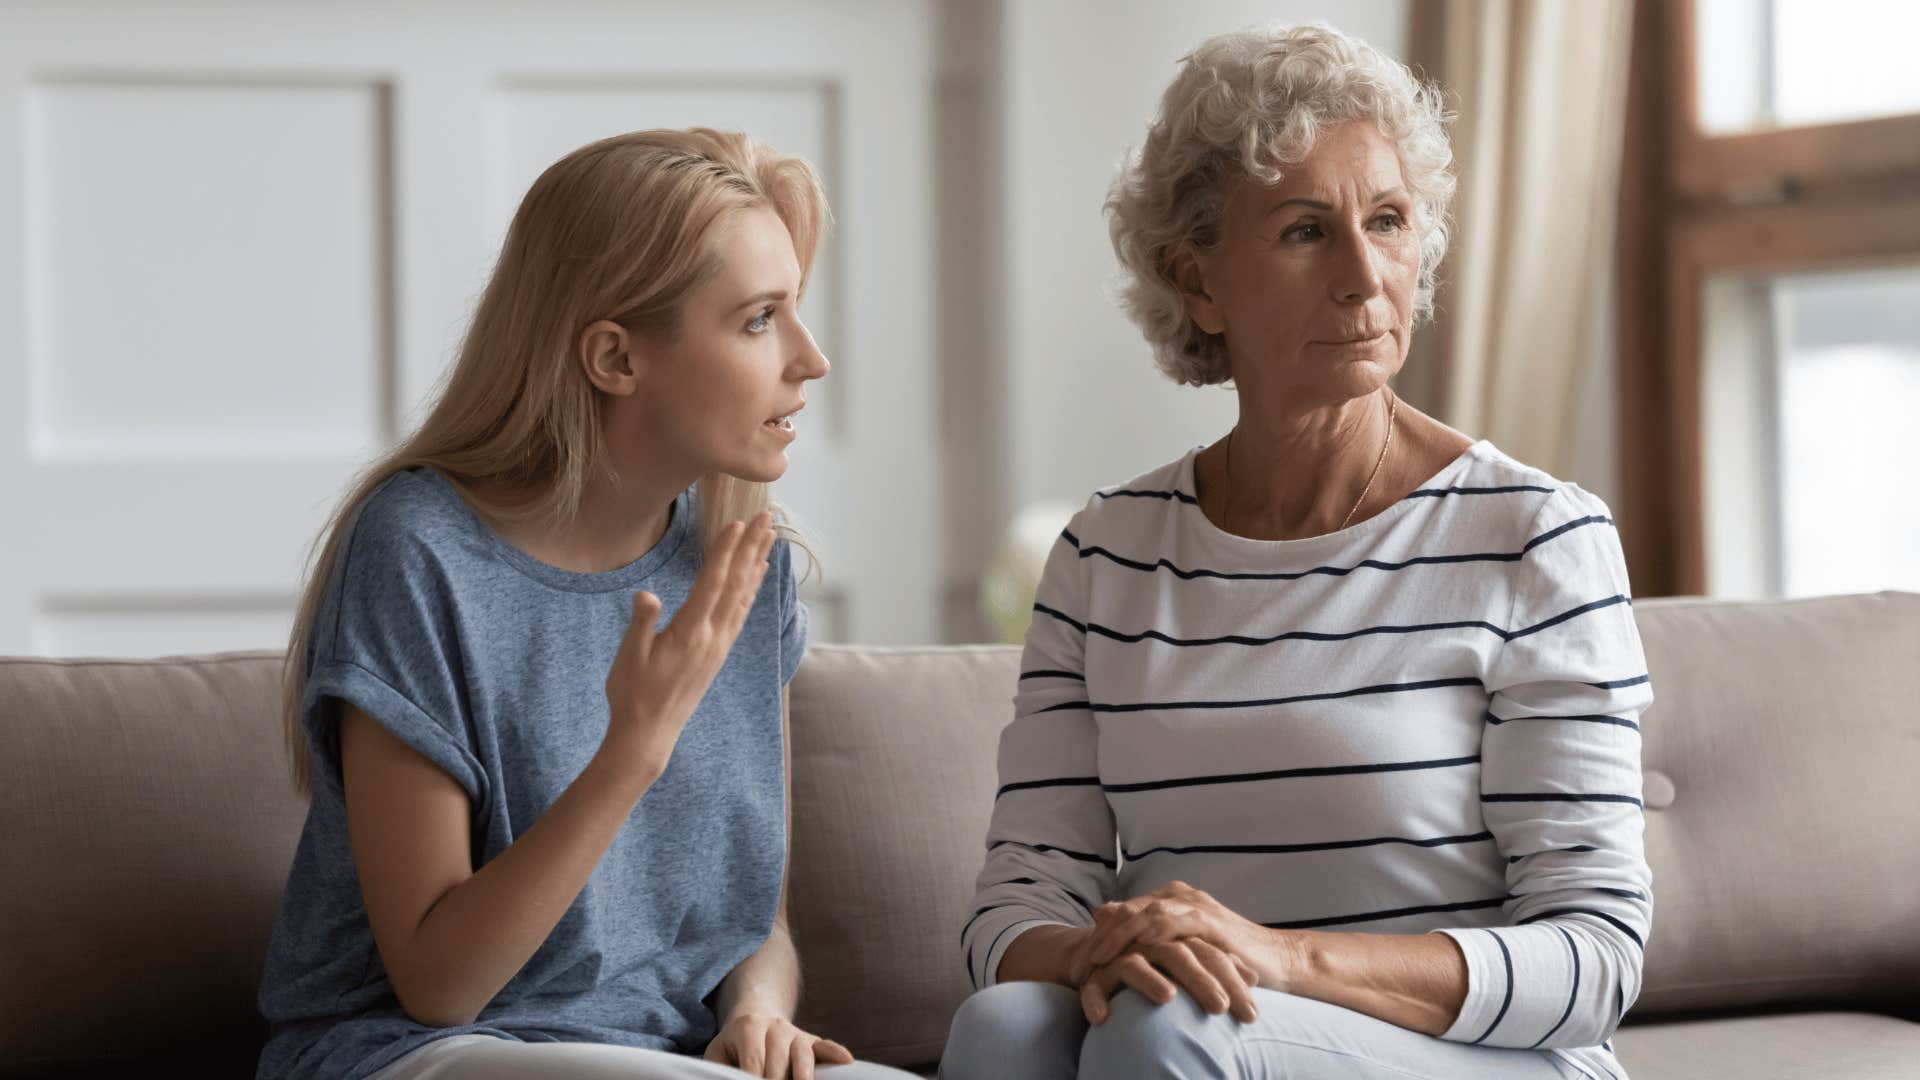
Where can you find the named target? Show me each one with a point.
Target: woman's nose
(811, 363)
(1356, 276)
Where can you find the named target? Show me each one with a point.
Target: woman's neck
(1298, 476)
(621, 517)
(1286, 476)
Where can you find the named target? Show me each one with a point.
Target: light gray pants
(488, 1057)
(1036, 1031)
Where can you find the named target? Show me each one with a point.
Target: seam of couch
(1791, 980)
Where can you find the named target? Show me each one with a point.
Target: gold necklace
(1226, 500)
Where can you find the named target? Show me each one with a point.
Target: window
(1770, 297)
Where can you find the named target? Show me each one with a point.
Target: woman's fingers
(1179, 961)
(828, 1052)
(750, 568)
(803, 1058)
(1132, 971)
(1105, 918)
(751, 1049)
(1231, 973)
(715, 566)
(780, 1040)
(1156, 922)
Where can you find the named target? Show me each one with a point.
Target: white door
(239, 243)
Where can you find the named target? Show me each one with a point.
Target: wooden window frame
(1694, 205)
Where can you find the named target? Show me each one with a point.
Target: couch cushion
(893, 778)
(149, 829)
(1797, 1046)
(1788, 738)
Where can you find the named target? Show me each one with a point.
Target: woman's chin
(760, 471)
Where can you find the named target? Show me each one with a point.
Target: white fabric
(1477, 637)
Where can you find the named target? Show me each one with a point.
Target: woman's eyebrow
(1378, 197)
(761, 298)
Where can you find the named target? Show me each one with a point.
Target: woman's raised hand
(658, 678)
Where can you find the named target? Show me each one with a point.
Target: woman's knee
(1141, 1039)
(1015, 1030)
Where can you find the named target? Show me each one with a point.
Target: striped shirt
(1426, 722)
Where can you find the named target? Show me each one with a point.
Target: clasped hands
(1176, 934)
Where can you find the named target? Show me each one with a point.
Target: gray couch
(148, 827)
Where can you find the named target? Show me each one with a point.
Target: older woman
(1326, 747)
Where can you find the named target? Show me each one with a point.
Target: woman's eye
(1391, 221)
(761, 322)
(1308, 231)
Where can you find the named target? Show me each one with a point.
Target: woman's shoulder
(1527, 493)
(1167, 487)
(411, 518)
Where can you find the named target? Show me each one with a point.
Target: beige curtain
(1521, 345)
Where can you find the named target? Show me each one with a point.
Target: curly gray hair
(1253, 102)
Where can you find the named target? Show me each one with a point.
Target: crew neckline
(1448, 473)
(679, 526)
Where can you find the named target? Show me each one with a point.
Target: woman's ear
(607, 354)
(1190, 278)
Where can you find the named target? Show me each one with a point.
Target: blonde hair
(1252, 103)
(616, 230)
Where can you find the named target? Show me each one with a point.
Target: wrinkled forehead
(1353, 163)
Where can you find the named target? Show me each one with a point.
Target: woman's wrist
(1041, 954)
(1285, 959)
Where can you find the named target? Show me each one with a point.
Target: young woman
(536, 688)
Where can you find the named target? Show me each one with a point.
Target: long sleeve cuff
(1526, 987)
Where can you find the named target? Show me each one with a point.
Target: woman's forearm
(766, 983)
(1418, 981)
(479, 934)
(1040, 954)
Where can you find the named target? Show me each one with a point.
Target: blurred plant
(1012, 577)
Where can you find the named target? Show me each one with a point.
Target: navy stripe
(1317, 635)
(1566, 527)
(1572, 995)
(1623, 927)
(1434, 493)
(1291, 849)
(1061, 615)
(1342, 571)
(1068, 893)
(1592, 718)
(1544, 851)
(1555, 796)
(1508, 1000)
(1257, 703)
(1043, 848)
(1423, 492)
(1288, 774)
(1618, 683)
(1060, 781)
(1574, 613)
(970, 975)
(1067, 535)
(1025, 675)
(1168, 496)
(1371, 916)
(1060, 706)
(977, 914)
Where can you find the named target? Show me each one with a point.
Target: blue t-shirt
(493, 665)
